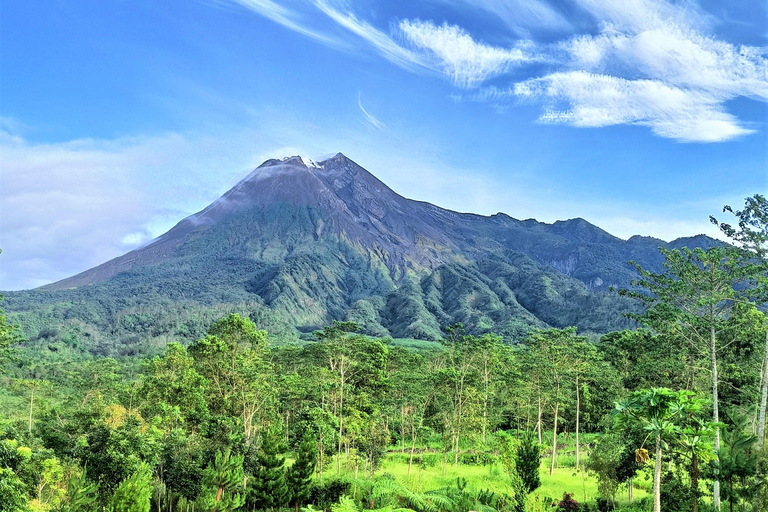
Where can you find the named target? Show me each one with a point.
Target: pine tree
(528, 461)
(299, 476)
(133, 493)
(222, 482)
(268, 489)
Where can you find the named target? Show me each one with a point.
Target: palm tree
(659, 411)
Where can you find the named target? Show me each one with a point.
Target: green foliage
(737, 464)
(116, 447)
(133, 493)
(528, 461)
(81, 494)
(613, 461)
(298, 477)
(325, 494)
(13, 491)
(267, 488)
(222, 484)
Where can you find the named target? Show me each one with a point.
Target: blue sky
(119, 118)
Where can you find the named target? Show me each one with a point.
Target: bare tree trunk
(657, 477)
(538, 418)
(456, 452)
(715, 415)
(578, 408)
(554, 434)
(402, 430)
(763, 398)
(413, 442)
(31, 399)
(629, 490)
(341, 415)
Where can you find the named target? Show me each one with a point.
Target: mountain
(297, 244)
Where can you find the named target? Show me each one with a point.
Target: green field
(430, 476)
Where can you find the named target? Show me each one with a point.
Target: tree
(357, 364)
(298, 477)
(267, 487)
(738, 461)
(528, 461)
(133, 493)
(232, 360)
(81, 494)
(13, 491)
(692, 298)
(222, 484)
(171, 382)
(459, 377)
(557, 354)
(658, 410)
(490, 349)
(752, 236)
(10, 335)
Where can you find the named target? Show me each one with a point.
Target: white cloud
(651, 62)
(652, 65)
(378, 40)
(289, 18)
(467, 62)
(65, 207)
(641, 15)
(593, 100)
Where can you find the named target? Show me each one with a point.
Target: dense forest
(668, 416)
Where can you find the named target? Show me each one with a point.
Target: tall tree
(528, 461)
(693, 297)
(133, 493)
(232, 359)
(557, 353)
(751, 233)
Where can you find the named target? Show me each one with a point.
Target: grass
(430, 476)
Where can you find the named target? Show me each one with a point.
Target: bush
(568, 504)
(328, 493)
(477, 458)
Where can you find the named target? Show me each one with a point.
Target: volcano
(297, 244)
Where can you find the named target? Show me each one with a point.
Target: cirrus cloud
(653, 63)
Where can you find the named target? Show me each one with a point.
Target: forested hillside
(668, 416)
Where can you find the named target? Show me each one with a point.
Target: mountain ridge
(298, 244)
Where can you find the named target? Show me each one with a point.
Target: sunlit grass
(431, 475)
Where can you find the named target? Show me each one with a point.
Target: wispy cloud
(289, 18)
(600, 100)
(522, 15)
(651, 65)
(368, 117)
(467, 62)
(654, 63)
(378, 40)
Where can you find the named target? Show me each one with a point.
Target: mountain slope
(297, 244)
